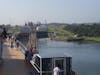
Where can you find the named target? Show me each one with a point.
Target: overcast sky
(62, 11)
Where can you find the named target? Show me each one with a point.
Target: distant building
(30, 26)
(24, 29)
(42, 28)
(24, 32)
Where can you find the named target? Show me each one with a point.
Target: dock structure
(40, 61)
(13, 62)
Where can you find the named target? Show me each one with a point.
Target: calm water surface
(85, 55)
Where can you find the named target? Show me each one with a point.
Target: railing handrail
(22, 46)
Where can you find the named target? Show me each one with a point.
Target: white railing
(23, 48)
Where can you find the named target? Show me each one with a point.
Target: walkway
(13, 62)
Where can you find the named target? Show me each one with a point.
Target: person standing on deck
(28, 54)
(4, 33)
(17, 43)
(56, 70)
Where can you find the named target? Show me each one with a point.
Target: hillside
(61, 34)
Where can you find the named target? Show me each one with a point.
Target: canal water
(85, 55)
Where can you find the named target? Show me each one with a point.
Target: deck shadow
(15, 67)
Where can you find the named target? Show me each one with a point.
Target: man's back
(56, 71)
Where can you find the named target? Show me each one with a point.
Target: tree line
(84, 29)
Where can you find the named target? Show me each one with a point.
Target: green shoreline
(96, 39)
(63, 35)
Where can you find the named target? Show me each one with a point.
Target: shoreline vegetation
(67, 32)
(65, 35)
(96, 39)
(60, 33)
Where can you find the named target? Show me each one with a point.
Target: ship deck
(13, 62)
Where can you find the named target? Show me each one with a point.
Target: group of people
(28, 53)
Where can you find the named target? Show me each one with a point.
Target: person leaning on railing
(28, 54)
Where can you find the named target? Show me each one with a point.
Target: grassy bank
(97, 39)
(61, 34)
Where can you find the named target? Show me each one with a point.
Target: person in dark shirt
(30, 53)
(4, 33)
(26, 55)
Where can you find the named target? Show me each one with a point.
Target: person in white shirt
(56, 70)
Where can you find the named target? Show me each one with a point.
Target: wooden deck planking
(13, 62)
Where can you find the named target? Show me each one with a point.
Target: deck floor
(13, 62)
